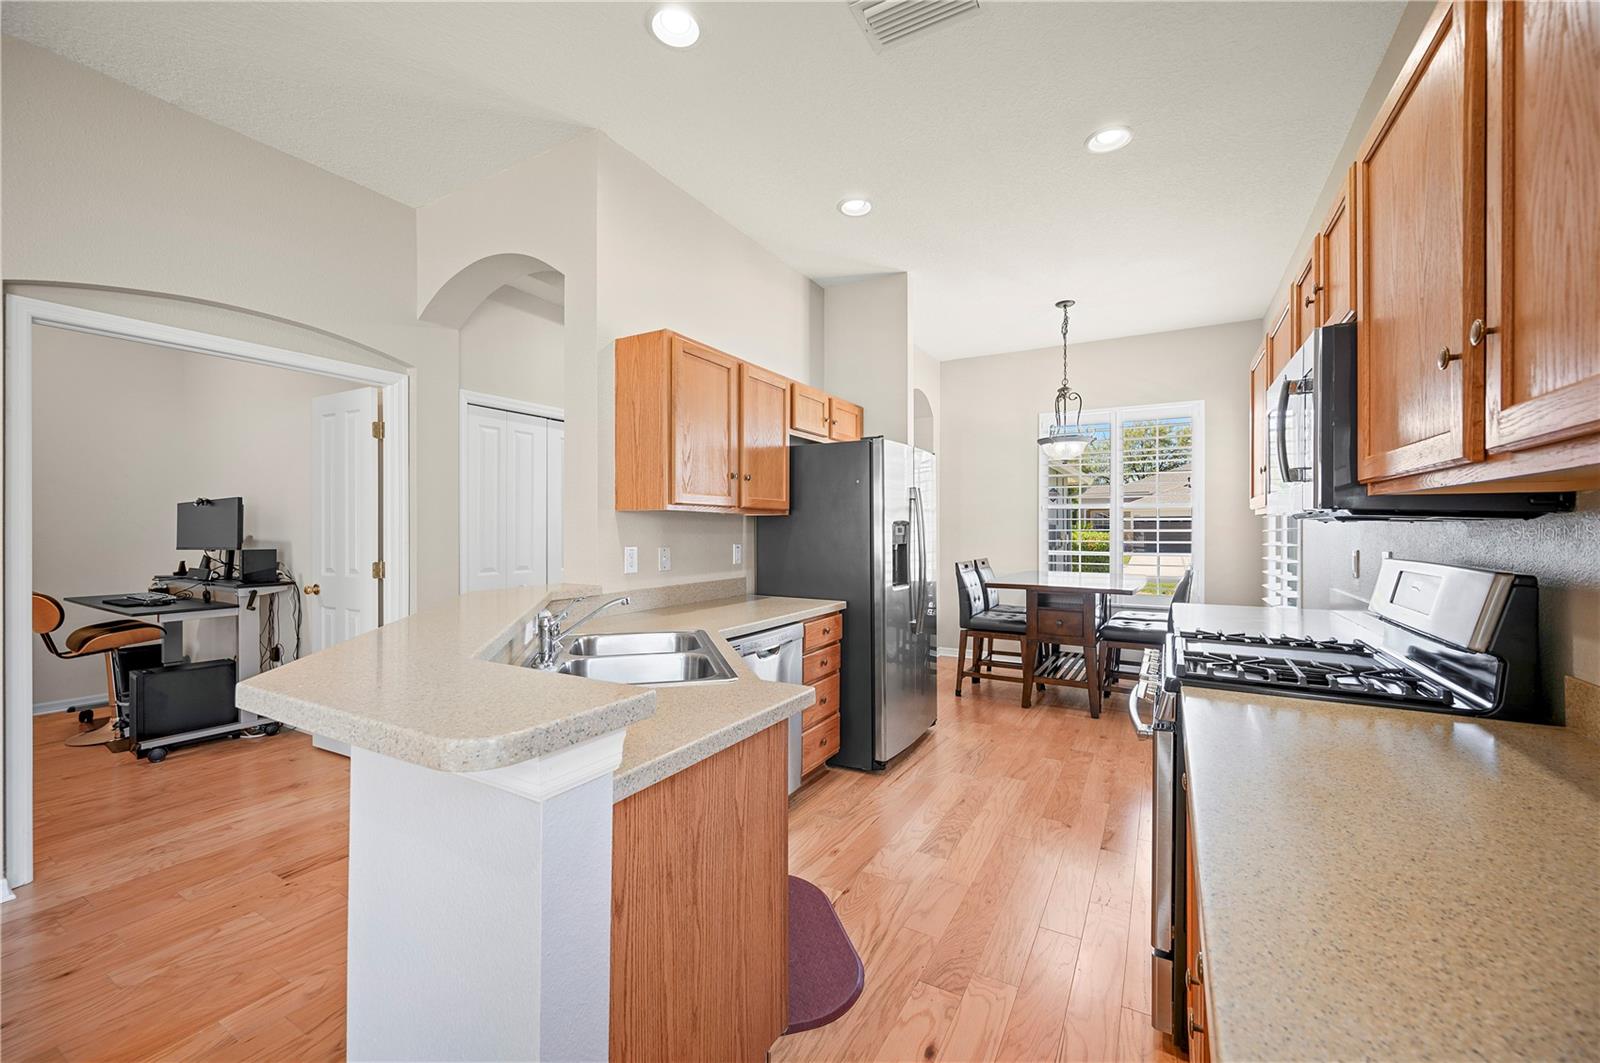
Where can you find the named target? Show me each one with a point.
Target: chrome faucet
(551, 632)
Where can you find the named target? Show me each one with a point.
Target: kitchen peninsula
(485, 881)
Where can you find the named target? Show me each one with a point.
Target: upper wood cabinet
(1280, 341)
(763, 439)
(844, 420)
(808, 411)
(1258, 430)
(1336, 258)
(1305, 293)
(1419, 218)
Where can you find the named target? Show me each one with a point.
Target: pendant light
(1064, 442)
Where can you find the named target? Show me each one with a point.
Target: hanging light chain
(1065, 394)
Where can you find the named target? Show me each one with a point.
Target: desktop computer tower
(174, 698)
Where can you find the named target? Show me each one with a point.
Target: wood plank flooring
(996, 882)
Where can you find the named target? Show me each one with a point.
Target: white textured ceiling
(969, 140)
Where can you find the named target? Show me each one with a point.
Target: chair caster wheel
(86, 716)
(271, 728)
(158, 754)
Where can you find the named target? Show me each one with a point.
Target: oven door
(1152, 692)
(1291, 434)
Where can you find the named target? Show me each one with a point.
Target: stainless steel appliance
(775, 655)
(1436, 638)
(861, 528)
(1311, 448)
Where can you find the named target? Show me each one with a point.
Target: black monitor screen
(211, 524)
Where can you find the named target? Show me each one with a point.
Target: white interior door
(483, 521)
(525, 499)
(344, 517)
(510, 499)
(555, 449)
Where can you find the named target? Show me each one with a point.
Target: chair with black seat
(104, 639)
(1134, 629)
(980, 626)
(984, 655)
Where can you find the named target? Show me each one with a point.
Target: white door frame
(493, 402)
(22, 314)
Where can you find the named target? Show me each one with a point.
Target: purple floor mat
(825, 972)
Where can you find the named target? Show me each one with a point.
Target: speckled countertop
(1385, 884)
(433, 688)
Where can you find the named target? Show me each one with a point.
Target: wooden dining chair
(980, 628)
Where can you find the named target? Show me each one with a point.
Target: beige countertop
(1378, 883)
(434, 688)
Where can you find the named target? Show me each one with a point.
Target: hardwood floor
(193, 909)
(996, 882)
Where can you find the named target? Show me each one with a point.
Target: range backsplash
(1562, 551)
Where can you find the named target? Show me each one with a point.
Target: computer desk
(242, 607)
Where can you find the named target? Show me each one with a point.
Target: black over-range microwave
(1311, 449)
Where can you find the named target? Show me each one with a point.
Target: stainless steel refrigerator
(862, 528)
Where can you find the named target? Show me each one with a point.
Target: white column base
(480, 908)
(5, 892)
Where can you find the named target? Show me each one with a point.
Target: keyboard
(142, 598)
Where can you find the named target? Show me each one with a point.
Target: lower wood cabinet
(699, 909)
(1197, 1013)
(819, 735)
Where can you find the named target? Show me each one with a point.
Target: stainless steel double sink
(647, 658)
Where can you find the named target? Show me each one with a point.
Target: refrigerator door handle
(919, 603)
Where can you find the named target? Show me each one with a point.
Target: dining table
(1064, 614)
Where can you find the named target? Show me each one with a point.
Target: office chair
(104, 639)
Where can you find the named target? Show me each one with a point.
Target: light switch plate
(630, 560)
(738, 553)
(664, 559)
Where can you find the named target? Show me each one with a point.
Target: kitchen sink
(638, 642)
(650, 669)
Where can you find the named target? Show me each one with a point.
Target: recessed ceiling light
(675, 26)
(855, 208)
(1109, 139)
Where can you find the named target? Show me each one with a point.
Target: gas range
(1352, 672)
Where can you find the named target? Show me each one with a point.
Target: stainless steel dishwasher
(775, 655)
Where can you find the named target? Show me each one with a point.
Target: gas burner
(1359, 679)
(1286, 642)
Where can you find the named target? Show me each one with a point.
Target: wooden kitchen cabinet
(1336, 251)
(844, 420)
(1258, 430)
(763, 440)
(1305, 294)
(819, 736)
(699, 909)
(1280, 341)
(808, 413)
(1419, 223)
(1197, 1013)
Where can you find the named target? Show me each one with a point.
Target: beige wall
(866, 350)
(925, 372)
(123, 431)
(988, 463)
(104, 187)
(513, 351)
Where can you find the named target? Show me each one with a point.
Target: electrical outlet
(664, 559)
(738, 553)
(630, 560)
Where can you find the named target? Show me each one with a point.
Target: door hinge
(379, 570)
(377, 429)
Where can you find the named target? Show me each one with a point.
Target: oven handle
(1140, 728)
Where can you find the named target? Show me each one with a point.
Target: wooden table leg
(1091, 661)
(1029, 648)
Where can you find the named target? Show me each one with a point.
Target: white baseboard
(82, 701)
(947, 651)
(5, 892)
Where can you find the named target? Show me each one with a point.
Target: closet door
(555, 449)
(483, 522)
(526, 479)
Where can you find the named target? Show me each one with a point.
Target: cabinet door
(1542, 357)
(1305, 294)
(1419, 212)
(1258, 429)
(1280, 341)
(1336, 300)
(808, 411)
(763, 439)
(844, 420)
(705, 426)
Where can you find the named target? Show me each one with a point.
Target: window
(1132, 502)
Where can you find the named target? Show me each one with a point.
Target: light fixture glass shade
(1063, 443)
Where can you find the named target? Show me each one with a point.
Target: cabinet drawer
(827, 703)
(819, 743)
(823, 631)
(815, 666)
(1058, 622)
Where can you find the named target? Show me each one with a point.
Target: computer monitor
(211, 524)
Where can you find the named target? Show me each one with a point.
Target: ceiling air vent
(891, 22)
